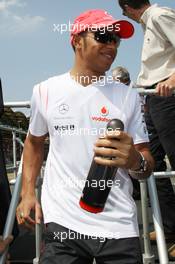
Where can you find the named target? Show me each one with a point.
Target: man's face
(99, 49)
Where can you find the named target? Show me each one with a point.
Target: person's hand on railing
(24, 211)
(167, 87)
(4, 243)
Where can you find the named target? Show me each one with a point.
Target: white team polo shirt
(75, 116)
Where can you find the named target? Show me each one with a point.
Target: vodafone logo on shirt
(104, 112)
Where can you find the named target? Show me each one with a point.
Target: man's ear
(128, 8)
(77, 41)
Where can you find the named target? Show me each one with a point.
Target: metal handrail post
(38, 227)
(160, 237)
(14, 153)
(148, 256)
(12, 211)
(20, 142)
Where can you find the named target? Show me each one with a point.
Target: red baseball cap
(97, 18)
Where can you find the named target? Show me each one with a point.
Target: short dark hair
(133, 3)
(121, 74)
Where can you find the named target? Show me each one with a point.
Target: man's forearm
(32, 162)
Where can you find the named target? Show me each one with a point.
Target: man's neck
(85, 76)
(142, 10)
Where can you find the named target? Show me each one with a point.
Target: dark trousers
(64, 246)
(160, 120)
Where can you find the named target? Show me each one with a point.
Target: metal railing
(15, 140)
(24, 104)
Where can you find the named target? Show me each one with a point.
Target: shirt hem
(93, 234)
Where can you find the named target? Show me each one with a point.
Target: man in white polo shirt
(73, 108)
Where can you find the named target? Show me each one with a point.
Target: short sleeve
(38, 123)
(137, 126)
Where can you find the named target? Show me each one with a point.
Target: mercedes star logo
(63, 108)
